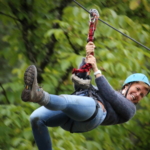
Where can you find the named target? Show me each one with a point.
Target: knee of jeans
(35, 120)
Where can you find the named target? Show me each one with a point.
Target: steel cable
(114, 27)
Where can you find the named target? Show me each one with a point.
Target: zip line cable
(113, 27)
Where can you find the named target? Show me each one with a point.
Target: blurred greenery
(52, 35)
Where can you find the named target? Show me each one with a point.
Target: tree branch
(63, 78)
(9, 16)
(134, 135)
(4, 93)
(73, 47)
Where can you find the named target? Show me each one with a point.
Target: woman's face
(136, 92)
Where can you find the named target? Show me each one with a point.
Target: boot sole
(29, 76)
(29, 80)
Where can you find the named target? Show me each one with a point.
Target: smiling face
(136, 92)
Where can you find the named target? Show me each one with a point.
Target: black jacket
(119, 109)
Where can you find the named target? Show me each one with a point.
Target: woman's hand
(92, 60)
(89, 48)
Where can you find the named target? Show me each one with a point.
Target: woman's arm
(124, 107)
(92, 60)
(84, 76)
(119, 103)
(89, 50)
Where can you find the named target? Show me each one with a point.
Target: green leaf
(134, 4)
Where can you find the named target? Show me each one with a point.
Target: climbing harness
(91, 92)
(113, 27)
(93, 20)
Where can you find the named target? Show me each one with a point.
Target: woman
(85, 110)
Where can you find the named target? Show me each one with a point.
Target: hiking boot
(32, 92)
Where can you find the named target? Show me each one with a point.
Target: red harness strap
(84, 68)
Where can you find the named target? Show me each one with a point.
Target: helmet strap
(128, 89)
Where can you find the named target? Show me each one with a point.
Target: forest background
(52, 35)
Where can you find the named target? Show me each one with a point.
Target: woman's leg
(78, 108)
(40, 119)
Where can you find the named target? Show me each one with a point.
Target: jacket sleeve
(122, 106)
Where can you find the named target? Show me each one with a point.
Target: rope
(114, 28)
(94, 15)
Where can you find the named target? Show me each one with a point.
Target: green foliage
(52, 35)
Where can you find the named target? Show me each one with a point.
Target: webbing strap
(94, 15)
(84, 68)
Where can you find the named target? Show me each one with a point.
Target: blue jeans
(67, 111)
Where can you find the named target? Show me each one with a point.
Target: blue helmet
(137, 77)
